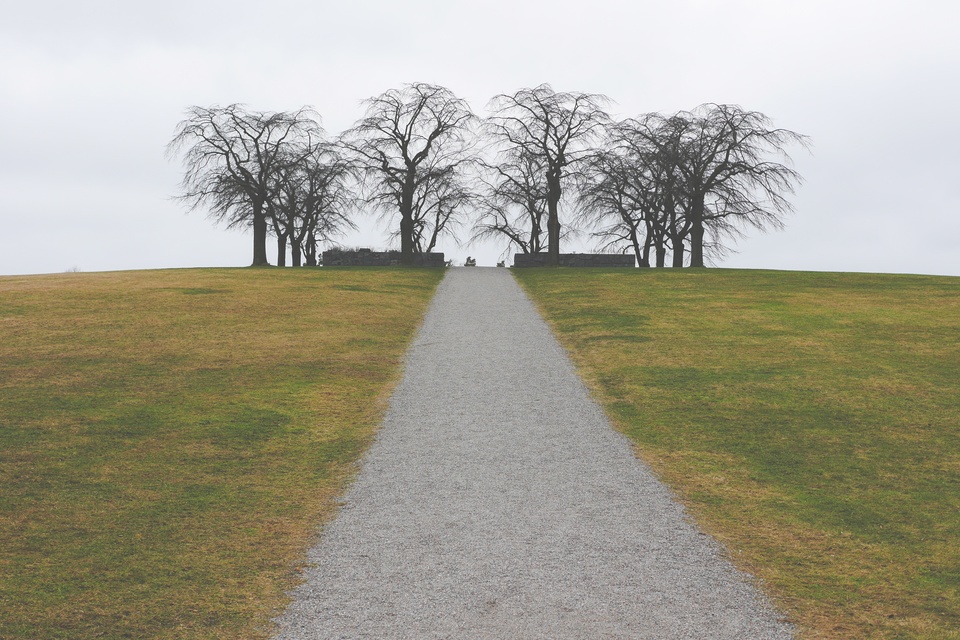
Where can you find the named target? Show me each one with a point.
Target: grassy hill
(170, 440)
(810, 421)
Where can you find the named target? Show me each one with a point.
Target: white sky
(91, 90)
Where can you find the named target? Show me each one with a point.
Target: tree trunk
(406, 239)
(534, 246)
(678, 253)
(259, 236)
(696, 245)
(281, 249)
(696, 234)
(310, 249)
(661, 254)
(640, 253)
(406, 220)
(553, 222)
(647, 245)
(296, 252)
(553, 237)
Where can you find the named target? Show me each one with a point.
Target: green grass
(170, 441)
(810, 421)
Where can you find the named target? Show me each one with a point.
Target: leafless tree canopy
(693, 178)
(513, 204)
(409, 149)
(231, 155)
(313, 201)
(682, 185)
(555, 130)
(441, 204)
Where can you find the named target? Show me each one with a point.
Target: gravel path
(497, 502)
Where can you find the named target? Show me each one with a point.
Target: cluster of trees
(682, 184)
(691, 179)
(274, 172)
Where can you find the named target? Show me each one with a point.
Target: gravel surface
(497, 502)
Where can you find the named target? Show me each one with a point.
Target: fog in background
(90, 93)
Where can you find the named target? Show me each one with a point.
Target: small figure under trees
(408, 149)
(232, 156)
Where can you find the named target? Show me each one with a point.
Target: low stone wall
(368, 258)
(576, 260)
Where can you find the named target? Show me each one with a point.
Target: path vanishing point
(498, 502)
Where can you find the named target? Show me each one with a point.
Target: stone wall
(576, 260)
(368, 258)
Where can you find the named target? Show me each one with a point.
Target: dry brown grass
(809, 421)
(171, 440)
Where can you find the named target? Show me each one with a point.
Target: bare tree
(313, 200)
(725, 176)
(441, 204)
(557, 129)
(729, 176)
(613, 200)
(629, 192)
(231, 156)
(405, 132)
(282, 206)
(513, 204)
(676, 177)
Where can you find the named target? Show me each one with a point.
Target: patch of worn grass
(810, 421)
(170, 441)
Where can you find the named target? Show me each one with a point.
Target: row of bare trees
(684, 183)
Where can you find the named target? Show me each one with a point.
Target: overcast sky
(91, 90)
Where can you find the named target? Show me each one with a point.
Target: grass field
(171, 440)
(810, 421)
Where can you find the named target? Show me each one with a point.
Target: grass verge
(171, 440)
(810, 421)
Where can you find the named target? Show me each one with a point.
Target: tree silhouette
(673, 178)
(408, 138)
(554, 129)
(231, 156)
(313, 201)
(513, 204)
